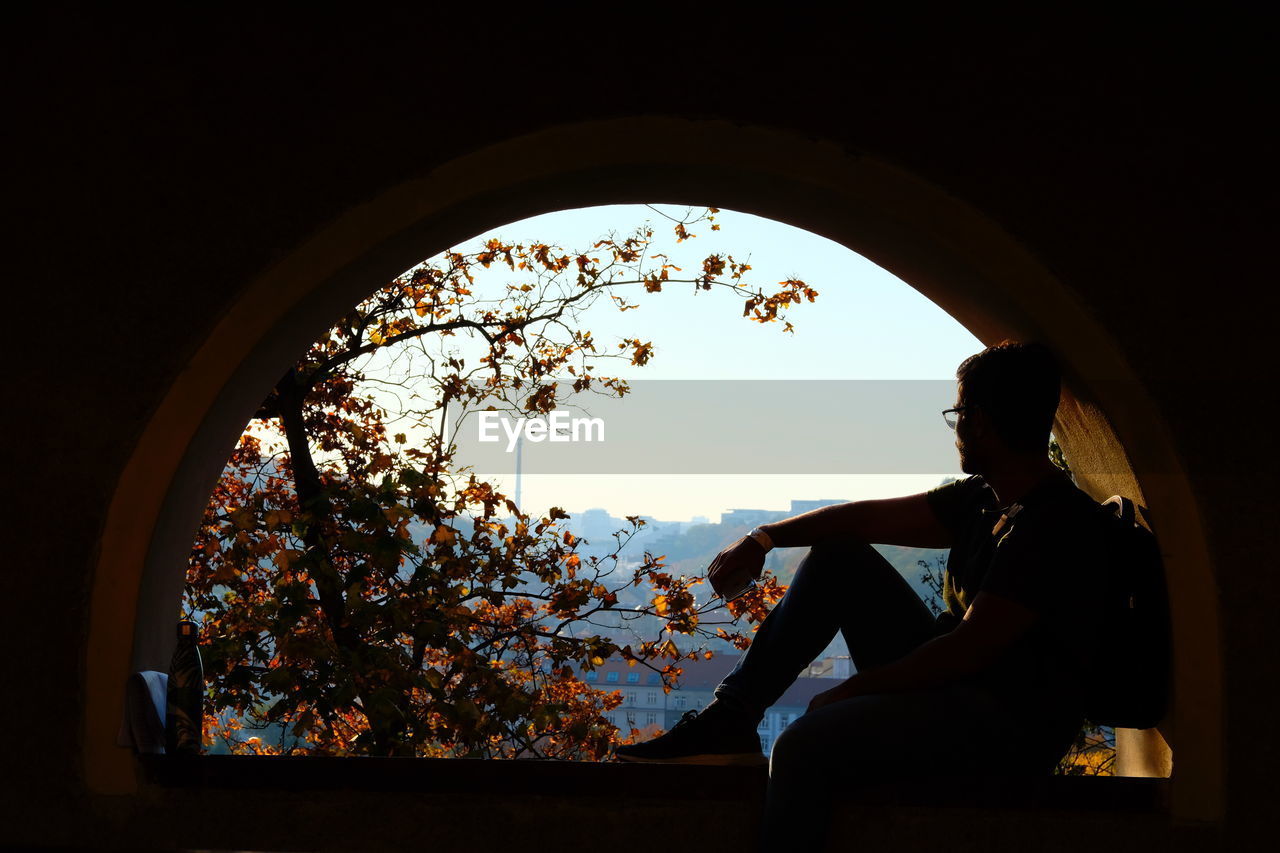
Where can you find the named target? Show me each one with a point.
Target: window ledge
(631, 781)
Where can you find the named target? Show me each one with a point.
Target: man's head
(1013, 389)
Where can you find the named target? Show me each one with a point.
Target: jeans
(962, 728)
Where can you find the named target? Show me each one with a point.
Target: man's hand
(736, 566)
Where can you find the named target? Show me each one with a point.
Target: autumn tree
(359, 587)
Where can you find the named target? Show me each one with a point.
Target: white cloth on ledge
(142, 727)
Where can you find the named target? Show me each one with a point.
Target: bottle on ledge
(184, 707)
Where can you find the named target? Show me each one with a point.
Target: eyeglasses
(952, 416)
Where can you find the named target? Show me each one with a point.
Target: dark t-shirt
(1045, 558)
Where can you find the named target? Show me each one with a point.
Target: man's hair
(1017, 385)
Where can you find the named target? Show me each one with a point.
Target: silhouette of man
(984, 688)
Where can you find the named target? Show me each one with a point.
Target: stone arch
(946, 249)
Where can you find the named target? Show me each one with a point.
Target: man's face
(964, 435)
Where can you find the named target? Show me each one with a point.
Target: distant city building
(798, 507)
(598, 526)
(751, 517)
(839, 666)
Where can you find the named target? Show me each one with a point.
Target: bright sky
(865, 324)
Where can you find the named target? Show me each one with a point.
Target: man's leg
(959, 729)
(841, 585)
(844, 585)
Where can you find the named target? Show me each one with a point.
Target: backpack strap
(1123, 508)
(1006, 517)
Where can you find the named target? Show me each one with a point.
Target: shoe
(711, 737)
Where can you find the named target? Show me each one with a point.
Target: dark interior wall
(162, 164)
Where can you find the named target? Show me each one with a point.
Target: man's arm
(895, 521)
(992, 624)
(908, 521)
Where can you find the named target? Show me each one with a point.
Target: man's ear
(979, 424)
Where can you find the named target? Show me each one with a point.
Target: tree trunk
(316, 512)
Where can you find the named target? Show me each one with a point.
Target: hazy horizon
(865, 324)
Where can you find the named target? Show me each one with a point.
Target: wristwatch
(760, 536)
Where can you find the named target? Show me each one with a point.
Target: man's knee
(851, 740)
(794, 752)
(803, 749)
(839, 564)
(845, 548)
(845, 553)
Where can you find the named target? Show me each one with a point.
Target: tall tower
(519, 448)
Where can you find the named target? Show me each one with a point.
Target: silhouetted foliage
(357, 588)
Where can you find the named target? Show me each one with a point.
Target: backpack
(1129, 682)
